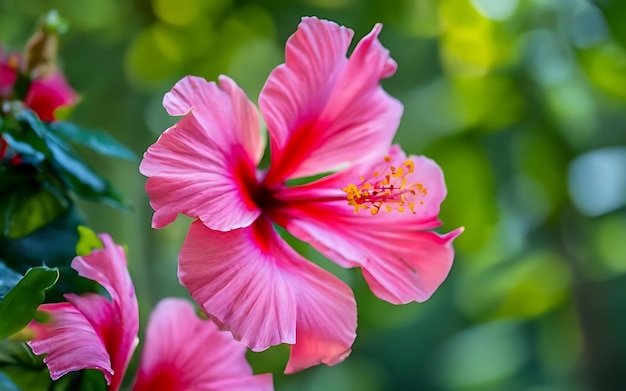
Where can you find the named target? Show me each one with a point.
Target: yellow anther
(410, 165)
(399, 173)
(388, 186)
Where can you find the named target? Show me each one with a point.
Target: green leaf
(21, 368)
(8, 279)
(88, 240)
(27, 152)
(6, 384)
(15, 352)
(97, 140)
(19, 305)
(28, 208)
(79, 177)
(12, 177)
(56, 158)
(53, 245)
(29, 120)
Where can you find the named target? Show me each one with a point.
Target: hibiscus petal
(326, 320)
(47, 94)
(252, 283)
(204, 166)
(400, 259)
(91, 323)
(70, 340)
(322, 109)
(212, 360)
(108, 267)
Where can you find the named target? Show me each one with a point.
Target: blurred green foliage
(523, 104)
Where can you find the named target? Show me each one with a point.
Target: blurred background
(523, 104)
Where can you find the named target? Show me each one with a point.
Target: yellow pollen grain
(388, 208)
(387, 159)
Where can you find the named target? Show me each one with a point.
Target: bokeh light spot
(596, 181)
(496, 9)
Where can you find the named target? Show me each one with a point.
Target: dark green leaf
(19, 305)
(20, 367)
(79, 177)
(15, 352)
(29, 119)
(97, 140)
(8, 279)
(36, 143)
(53, 245)
(6, 384)
(27, 379)
(26, 151)
(28, 208)
(12, 177)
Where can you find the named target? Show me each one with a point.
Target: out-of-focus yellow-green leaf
(525, 287)
(179, 12)
(471, 43)
(471, 200)
(87, 241)
(153, 56)
(606, 67)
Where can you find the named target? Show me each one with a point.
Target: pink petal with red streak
(170, 361)
(114, 323)
(401, 259)
(323, 109)
(252, 283)
(204, 166)
(70, 340)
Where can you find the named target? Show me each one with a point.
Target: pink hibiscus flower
(91, 331)
(323, 111)
(45, 94)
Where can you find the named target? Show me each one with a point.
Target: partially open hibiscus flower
(45, 94)
(91, 331)
(323, 112)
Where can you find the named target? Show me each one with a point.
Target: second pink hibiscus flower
(323, 111)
